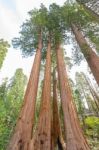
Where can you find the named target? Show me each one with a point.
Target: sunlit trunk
(74, 135)
(24, 126)
(90, 56)
(42, 136)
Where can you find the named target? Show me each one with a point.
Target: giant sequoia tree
(77, 23)
(23, 131)
(46, 31)
(42, 136)
(57, 137)
(89, 54)
(72, 128)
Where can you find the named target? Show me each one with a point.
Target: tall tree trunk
(89, 101)
(42, 136)
(89, 10)
(93, 93)
(24, 126)
(90, 56)
(73, 132)
(90, 107)
(56, 128)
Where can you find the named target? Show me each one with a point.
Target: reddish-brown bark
(23, 130)
(42, 136)
(74, 135)
(56, 127)
(90, 56)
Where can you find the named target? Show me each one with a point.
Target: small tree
(3, 50)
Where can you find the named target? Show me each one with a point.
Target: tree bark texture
(56, 127)
(24, 126)
(42, 136)
(74, 135)
(90, 56)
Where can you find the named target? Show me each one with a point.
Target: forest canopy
(52, 111)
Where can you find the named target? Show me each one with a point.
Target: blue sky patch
(9, 3)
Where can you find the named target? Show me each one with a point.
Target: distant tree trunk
(42, 136)
(74, 136)
(89, 10)
(24, 126)
(89, 101)
(81, 108)
(90, 56)
(93, 93)
(90, 107)
(56, 128)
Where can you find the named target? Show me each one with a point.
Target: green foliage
(17, 85)
(39, 17)
(90, 6)
(94, 37)
(56, 23)
(92, 24)
(50, 23)
(30, 30)
(79, 103)
(28, 39)
(3, 89)
(92, 124)
(56, 20)
(73, 13)
(11, 96)
(3, 50)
